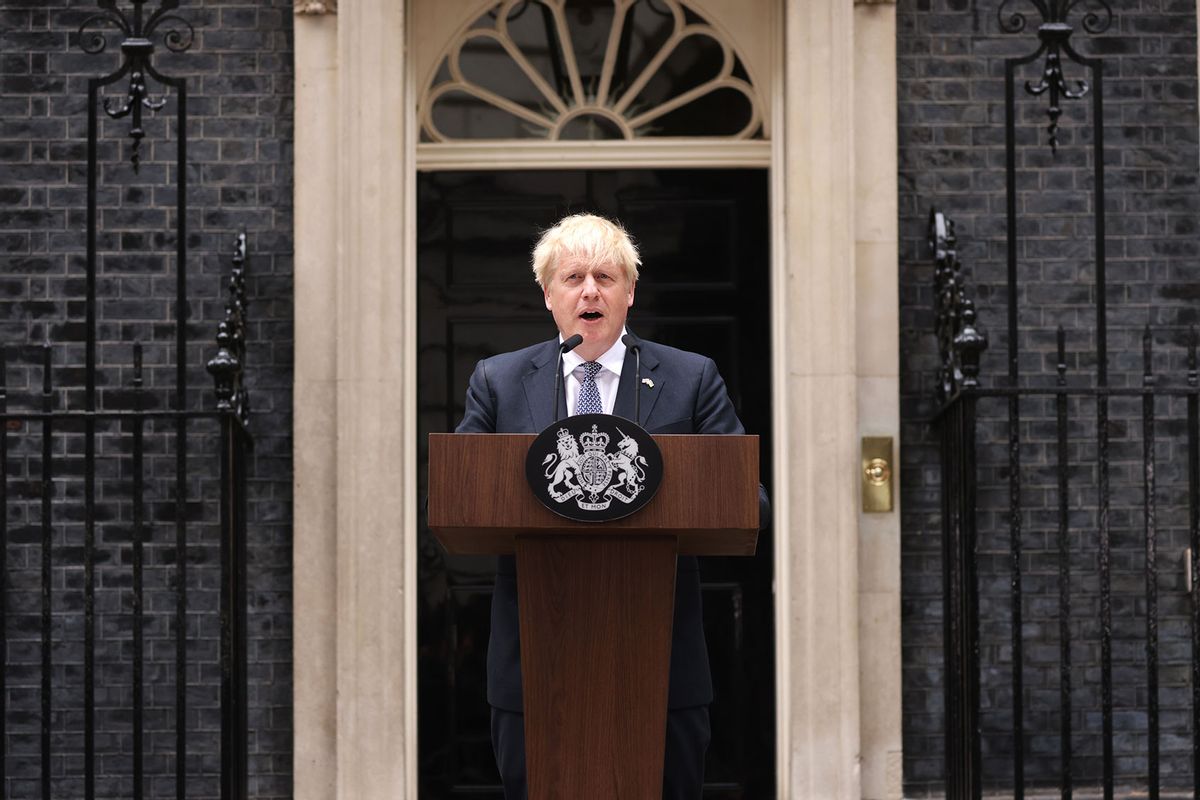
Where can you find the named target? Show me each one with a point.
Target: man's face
(591, 301)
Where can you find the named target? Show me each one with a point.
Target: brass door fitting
(876, 474)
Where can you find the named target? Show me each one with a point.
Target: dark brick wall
(239, 74)
(951, 115)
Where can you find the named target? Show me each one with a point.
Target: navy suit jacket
(513, 393)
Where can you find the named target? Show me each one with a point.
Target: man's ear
(632, 289)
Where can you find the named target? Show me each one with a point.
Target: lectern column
(596, 615)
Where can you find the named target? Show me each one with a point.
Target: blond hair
(591, 238)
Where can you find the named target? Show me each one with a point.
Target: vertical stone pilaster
(877, 313)
(374, 448)
(314, 542)
(821, 490)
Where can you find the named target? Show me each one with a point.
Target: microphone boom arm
(567, 346)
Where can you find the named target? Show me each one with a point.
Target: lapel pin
(649, 383)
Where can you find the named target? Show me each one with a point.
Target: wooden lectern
(596, 599)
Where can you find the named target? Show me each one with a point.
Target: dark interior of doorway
(703, 236)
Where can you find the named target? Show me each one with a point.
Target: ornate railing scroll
(960, 340)
(1054, 33)
(137, 47)
(228, 366)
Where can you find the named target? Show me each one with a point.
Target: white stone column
(314, 408)
(816, 299)
(375, 453)
(877, 313)
(354, 457)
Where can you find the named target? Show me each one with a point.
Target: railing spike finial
(228, 366)
(961, 342)
(969, 343)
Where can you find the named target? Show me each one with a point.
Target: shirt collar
(612, 360)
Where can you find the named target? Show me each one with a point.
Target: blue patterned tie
(588, 401)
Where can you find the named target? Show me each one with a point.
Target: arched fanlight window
(589, 70)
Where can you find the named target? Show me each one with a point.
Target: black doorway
(703, 236)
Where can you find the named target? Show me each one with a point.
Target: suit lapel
(539, 386)
(624, 405)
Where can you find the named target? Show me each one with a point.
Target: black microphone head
(629, 341)
(570, 343)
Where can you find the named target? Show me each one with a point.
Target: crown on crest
(594, 441)
(565, 438)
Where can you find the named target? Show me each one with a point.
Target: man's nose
(590, 287)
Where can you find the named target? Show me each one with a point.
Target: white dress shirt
(607, 378)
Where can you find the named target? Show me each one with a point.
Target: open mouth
(591, 315)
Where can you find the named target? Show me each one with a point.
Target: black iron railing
(961, 344)
(224, 435)
(136, 684)
(1061, 479)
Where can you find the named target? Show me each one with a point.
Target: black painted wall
(951, 90)
(239, 72)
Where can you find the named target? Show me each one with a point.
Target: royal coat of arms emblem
(594, 467)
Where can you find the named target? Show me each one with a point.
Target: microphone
(569, 344)
(632, 344)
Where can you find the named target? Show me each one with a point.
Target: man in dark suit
(587, 268)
